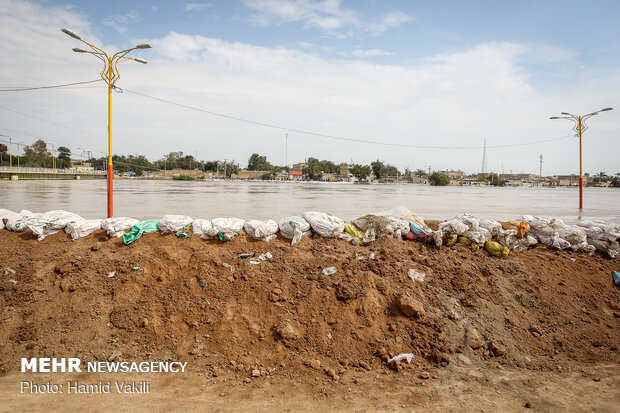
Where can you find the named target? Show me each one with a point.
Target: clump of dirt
(165, 297)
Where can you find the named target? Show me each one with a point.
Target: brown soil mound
(197, 301)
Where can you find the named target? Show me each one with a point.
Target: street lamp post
(110, 74)
(580, 127)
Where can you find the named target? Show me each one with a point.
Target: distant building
(298, 167)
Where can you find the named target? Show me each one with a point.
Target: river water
(263, 200)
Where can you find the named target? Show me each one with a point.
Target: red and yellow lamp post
(110, 74)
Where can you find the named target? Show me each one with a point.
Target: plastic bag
(52, 222)
(202, 228)
(262, 230)
(21, 221)
(226, 229)
(174, 223)
(80, 229)
(116, 227)
(142, 227)
(294, 228)
(6, 214)
(326, 225)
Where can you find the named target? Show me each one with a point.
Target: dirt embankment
(197, 301)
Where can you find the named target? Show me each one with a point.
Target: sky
(414, 84)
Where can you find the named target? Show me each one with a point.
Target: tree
(361, 172)
(329, 167)
(257, 162)
(439, 179)
(420, 173)
(63, 160)
(36, 154)
(312, 169)
(378, 169)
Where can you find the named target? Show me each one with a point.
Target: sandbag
(22, 220)
(294, 228)
(116, 227)
(262, 230)
(202, 228)
(140, 228)
(226, 229)
(174, 223)
(521, 227)
(6, 214)
(357, 236)
(52, 222)
(80, 229)
(377, 226)
(496, 249)
(326, 225)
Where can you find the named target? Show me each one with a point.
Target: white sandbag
(229, 227)
(454, 226)
(6, 214)
(479, 236)
(524, 243)
(202, 228)
(80, 229)
(22, 220)
(262, 230)
(326, 225)
(116, 227)
(174, 223)
(294, 228)
(611, 230)
(51, 222)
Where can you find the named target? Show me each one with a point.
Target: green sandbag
(451, 240)
(496, 249)
(142, 227)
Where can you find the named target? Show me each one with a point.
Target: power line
(267, 125)
(22, 89)
(49, 121)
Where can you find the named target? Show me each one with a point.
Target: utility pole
(484, 156)
(224, 168)
(286, 151)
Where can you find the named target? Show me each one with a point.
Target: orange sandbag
(521, 227)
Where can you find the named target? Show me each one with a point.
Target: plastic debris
(356, 235)
(255, 262)
(13, 280)
(245, 255)
(230, 267)
(616, 275)
(111, 274)
(403, 356)
(137, 268)
(9, 271)
(329, 271)
(416, 276)
(142, 227)
(265, 256)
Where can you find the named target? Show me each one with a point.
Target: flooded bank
(262, 200)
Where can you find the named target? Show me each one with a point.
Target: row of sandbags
(497, 237)
(529, 231)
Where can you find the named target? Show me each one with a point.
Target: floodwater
(263, 200)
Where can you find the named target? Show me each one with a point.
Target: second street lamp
(580, 127)
(110, 74)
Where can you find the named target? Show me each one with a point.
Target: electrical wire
(22, 89)
(340, 138)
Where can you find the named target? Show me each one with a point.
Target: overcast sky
(444, 74)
